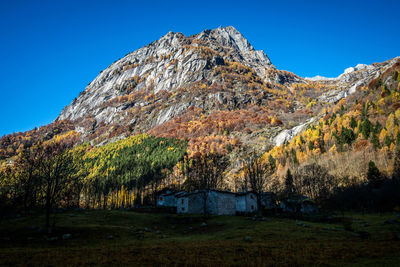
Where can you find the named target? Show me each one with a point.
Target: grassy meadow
(104, 238)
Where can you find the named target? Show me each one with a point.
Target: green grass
(180, 242)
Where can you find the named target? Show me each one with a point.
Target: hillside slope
(215, 90)
(350, 134)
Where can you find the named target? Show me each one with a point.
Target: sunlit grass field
(145, 239)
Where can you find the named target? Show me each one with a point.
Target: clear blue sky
(50, 50)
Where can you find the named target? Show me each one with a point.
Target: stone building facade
(217, 202)
(246, 202)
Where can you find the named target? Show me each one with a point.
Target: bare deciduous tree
(256, 175)
(57, 167)
(205, 172)
(314, 181)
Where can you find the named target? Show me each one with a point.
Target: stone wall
(241, 203)
(246, 203)
(190, 204)
(166, 201)
(218, 203)
(251, 202)
(221, 203)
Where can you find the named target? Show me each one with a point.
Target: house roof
(168, 194)
(185, 194)
(245, 193)
(222, 191)
(180, 193)
(165, 191)
(173, 193)
(267, 193)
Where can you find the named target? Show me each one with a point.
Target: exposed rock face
(358, 67)
(289, 134)
(172, 111)
(352, 78)
(241, 49)
(172, 62)
(211, 71)
(345, 85)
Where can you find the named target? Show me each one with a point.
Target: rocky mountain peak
(228, 37)
(174, 61)
(239, 47)
(171, 38)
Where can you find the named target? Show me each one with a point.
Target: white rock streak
(289, 134)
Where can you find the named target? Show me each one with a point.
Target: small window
(183, 209)
(252, 207)
(182, 201)
(161, 198)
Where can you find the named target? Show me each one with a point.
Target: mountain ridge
(137, 63)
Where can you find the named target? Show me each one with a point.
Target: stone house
(168, 198)
(217, 202)
(190, 203)
(221, 202)
(246, 202)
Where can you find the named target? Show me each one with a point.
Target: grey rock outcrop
(355, 77)
(287, 135)
(241, 48)
(169, 63)
(352, 78)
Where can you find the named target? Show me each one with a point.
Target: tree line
(54, 173)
